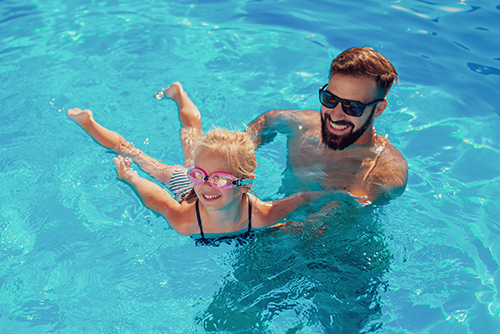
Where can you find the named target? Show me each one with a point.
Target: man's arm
(390, 181)
(397, 183)
(264, 128)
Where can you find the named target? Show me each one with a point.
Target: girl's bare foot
(80, 116)
(174, 92)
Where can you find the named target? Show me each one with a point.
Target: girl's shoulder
(183, 219)
(271, 213)
(263, 213)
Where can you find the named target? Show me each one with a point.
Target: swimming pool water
(79, 252)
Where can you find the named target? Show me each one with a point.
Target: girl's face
(212, 198)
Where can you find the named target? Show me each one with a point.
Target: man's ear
(379, 109)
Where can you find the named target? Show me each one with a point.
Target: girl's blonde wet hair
(235, 147)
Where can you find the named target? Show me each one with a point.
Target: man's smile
(338, 126)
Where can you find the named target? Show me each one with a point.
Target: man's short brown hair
(364, 61)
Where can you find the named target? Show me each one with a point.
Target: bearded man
(338, 148)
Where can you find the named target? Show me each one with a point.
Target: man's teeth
(211, 196)
(338, 127)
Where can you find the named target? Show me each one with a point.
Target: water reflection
(323, 274)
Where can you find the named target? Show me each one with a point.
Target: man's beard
(338, 143)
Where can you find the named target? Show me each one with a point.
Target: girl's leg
(103, 136)
(190, 120)
(117, 143)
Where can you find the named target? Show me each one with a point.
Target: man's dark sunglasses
(351, 108)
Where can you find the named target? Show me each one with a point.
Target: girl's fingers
(123, 166)
(120, 159)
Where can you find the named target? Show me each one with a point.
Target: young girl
(212, 188)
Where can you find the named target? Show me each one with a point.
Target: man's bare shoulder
(393, 156)
(391, 169)
(295, 117)
(305, 115)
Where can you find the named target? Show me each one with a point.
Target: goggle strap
(242, 182)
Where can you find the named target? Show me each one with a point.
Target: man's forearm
(262, 129)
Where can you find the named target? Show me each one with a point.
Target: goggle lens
(195, 176)
(220, 181)
(217, 180)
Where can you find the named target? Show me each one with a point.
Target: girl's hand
(123, 168)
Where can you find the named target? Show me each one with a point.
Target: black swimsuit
(240, 239)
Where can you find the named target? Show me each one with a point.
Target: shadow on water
(323, 275)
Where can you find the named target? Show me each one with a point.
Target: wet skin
(370, 168)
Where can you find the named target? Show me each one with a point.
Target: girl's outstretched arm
(275, 211)
(152, 195)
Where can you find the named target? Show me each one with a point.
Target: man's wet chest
(310, 160)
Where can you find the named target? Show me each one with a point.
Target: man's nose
(336, 112)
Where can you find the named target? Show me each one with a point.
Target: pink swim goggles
(218, 180)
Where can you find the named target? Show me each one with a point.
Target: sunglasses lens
(350, 108)
(327, 100)
(353, 108)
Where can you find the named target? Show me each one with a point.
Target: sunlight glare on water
(79, 251)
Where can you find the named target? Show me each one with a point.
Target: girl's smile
(215, 198)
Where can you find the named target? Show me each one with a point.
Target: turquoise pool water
(79, 252)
